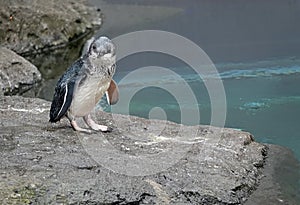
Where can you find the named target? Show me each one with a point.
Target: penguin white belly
(87, 95)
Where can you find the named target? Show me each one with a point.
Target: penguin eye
(94, 47)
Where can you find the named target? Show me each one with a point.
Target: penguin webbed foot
(79, 129)
(94, 126)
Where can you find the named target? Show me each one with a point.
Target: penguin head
(102, 47)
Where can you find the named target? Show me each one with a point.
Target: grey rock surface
(140, 162)
(16, 73)
(32, 26)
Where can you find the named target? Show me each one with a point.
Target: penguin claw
(109, 129)
(101, 128)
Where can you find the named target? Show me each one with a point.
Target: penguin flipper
(112, 93)
(62, 100)
(64, 90)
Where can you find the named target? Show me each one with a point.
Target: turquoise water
(262, 98)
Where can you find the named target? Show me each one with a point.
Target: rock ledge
(43, 163)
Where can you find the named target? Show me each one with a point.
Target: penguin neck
(101, 66)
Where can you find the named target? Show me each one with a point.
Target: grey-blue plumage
(83, 84)
(64, 91)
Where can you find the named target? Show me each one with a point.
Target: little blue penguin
(81, 87)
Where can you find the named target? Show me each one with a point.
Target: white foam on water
(261, 69)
